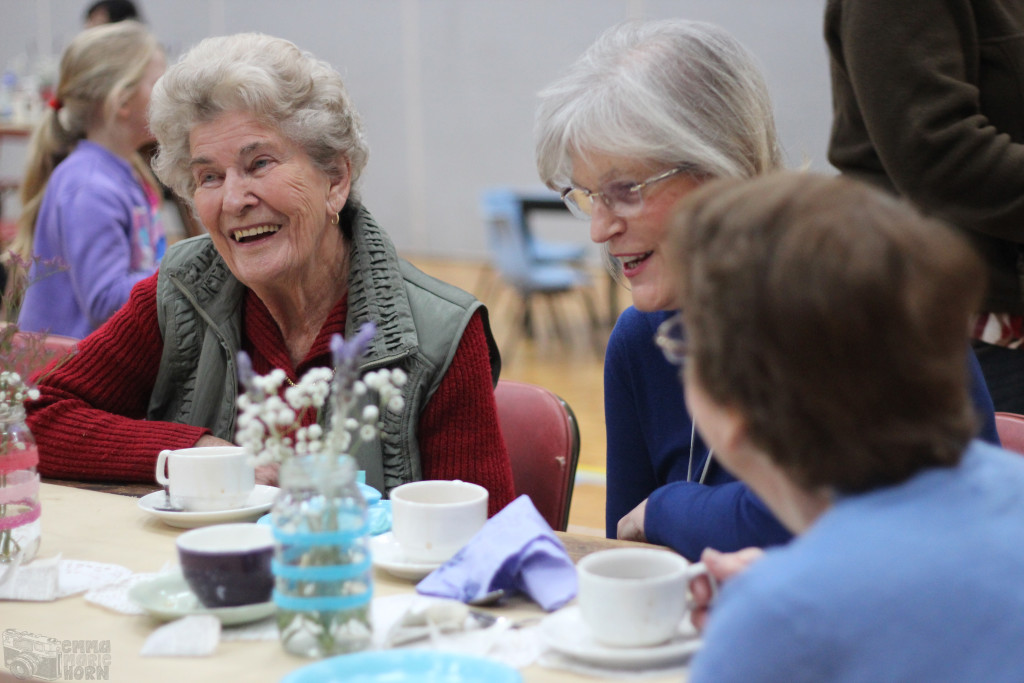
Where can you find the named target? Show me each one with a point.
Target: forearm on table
(90, 421)
(689, 517)
(88, 444)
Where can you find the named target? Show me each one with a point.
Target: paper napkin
(193, 636)
(53, 578)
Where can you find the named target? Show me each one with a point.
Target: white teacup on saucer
(206, 479)
(634, 597)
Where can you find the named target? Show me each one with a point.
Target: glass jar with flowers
(322, 564)
(20, 354)
(19, 481)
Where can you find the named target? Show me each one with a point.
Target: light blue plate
(400, 666)
(371, 494)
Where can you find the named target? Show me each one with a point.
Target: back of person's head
(99, 71)
(110, 12)
(269, 78)
(669, 92)
(834, 318)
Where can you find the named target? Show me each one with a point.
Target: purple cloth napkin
(515, 551)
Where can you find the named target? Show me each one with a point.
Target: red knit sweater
(90, 418)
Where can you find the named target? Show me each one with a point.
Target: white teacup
(206, 479)
(634, 597)
(432, 520)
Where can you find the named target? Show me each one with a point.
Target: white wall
(447, 87)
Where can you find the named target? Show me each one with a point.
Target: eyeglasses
(671, 339)
(624, 198)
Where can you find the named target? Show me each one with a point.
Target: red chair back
(1010, 427)
(543, 442)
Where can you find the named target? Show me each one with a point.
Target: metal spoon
(167, 506)
(492, 598)
(486, 620)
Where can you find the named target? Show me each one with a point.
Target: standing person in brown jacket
(928, 100)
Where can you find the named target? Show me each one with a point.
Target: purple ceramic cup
(228, 565)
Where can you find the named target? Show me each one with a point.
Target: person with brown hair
(110, 12)
(826, 332)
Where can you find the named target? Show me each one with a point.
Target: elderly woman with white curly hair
(262, 140)
(650, 112)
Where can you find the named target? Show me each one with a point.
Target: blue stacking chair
(514, 258)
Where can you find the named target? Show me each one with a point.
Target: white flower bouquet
(269, 423)
(323, 573)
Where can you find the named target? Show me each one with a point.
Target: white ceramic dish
(388, 555)
(565, 632)
(259, 502)
(168, 597)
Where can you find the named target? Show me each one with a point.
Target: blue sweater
(96, 220)
(649, 429)
(915, 582)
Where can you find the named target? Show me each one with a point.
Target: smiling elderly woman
(262, 139)
(648, 114)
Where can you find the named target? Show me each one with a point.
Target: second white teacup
(634, 597)
(207, 479)
(432, 520)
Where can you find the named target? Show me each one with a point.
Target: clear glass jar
(19, 489)
(323, 575)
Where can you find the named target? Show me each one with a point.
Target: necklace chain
(292, 384)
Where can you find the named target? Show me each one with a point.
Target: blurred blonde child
(89, 201)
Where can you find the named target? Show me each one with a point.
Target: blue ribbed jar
(323, 574)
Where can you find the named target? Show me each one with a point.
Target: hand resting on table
(631, 527)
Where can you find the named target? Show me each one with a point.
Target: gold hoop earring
(336, 219)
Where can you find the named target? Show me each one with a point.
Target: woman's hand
(265, 474)
(721, 566)
(210, 441)
(631, 527)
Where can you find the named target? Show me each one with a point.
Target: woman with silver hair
(261, 139)
(648, 113)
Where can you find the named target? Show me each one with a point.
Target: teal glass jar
(323, 573)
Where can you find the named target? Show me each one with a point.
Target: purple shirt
(97, 221)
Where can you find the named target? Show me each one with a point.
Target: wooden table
(105, 527)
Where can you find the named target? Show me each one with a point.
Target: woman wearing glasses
(647, 114)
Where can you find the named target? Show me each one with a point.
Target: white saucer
(168, 597)
(387, 555)
(565, 632)
(259, 502)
